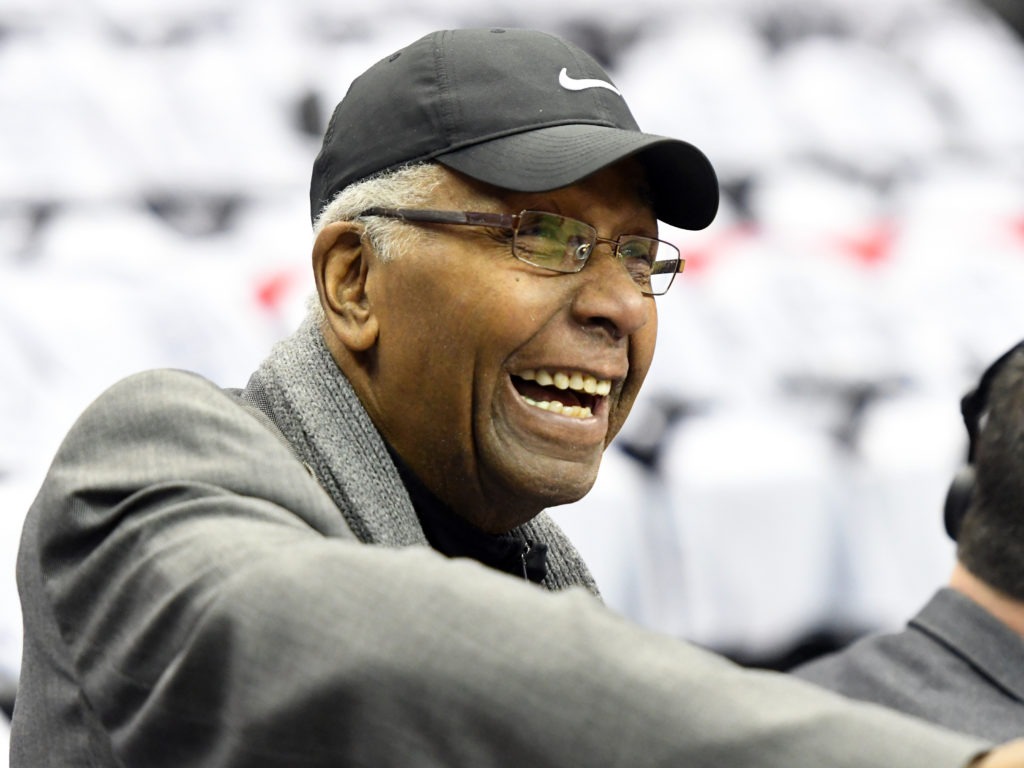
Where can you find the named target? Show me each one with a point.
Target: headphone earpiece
(973, 408)
(958, 500)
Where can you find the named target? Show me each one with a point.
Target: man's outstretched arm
(195, 587)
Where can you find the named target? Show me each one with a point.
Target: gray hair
(409, 186)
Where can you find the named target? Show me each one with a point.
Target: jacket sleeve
(214, 612)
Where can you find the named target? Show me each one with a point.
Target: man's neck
(1006, 609)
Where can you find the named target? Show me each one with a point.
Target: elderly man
(256, 577)
(960, 661)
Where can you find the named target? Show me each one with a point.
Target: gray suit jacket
(193, 597)
(955, 664)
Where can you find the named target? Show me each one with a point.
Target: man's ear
(340, 265)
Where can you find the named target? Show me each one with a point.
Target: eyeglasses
(561, 244)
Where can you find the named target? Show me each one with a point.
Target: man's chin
(549, 483)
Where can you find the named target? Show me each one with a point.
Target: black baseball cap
(519, 109)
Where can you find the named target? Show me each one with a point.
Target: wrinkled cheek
(641, 355)
(493, 428)
(622, 408)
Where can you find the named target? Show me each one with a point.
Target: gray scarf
(300, 387)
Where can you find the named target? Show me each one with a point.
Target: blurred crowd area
(780, 482)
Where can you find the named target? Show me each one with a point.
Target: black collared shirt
(455, 537)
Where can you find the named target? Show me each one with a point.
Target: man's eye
(637, 251)
(499, 235)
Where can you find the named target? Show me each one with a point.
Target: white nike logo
(574, 84)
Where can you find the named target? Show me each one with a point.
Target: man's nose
(608, 298)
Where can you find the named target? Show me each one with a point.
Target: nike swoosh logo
(574, 84)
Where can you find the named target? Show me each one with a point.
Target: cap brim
(683, 183)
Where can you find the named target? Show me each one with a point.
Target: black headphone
(973, 406)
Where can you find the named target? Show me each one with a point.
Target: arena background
(778, 489)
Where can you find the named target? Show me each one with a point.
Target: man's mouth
(569, 393)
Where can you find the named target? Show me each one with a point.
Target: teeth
(576, 381)
(572, 411)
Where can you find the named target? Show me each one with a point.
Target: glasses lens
(553, 242)
(651, 263)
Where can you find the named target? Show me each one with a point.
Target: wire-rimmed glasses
(559, 243)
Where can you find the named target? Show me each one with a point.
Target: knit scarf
(300, 387)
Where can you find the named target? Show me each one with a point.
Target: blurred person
(960, 661)
(8, 688)
(348, 561)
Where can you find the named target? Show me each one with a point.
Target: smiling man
(473, 351)
(259, 578)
